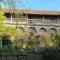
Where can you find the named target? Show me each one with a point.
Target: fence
(42, 54)
(21, 57)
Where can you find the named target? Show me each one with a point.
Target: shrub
(6, 41)
(56, 40)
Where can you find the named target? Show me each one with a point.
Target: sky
(42, 4)
(53, 5)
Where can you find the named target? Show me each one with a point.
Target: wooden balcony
(14, 21)
(44, 22)
(26, 21)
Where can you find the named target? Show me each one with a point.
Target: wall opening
(32, 30)
(53, 31)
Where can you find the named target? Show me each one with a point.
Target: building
(36, 21)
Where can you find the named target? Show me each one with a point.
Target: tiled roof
(39, 12)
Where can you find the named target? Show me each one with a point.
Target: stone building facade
(36, 21)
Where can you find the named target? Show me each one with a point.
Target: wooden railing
(31, 21)
(15, 20)
(41, 21)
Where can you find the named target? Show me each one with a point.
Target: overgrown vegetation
(17, 38)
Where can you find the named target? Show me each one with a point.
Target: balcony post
(43, 18)
(27, 18)
(58, 19)
(11, 17)
(27, 25)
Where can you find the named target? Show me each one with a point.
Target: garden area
(17, 43)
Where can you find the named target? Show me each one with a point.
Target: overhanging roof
(39, 12)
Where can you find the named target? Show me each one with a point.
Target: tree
(6, 41)
(56, 39)
(17, 36)
(1, 0)
(2, 17)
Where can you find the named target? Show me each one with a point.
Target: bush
(56, 40)
(52, 53)
(6, 41)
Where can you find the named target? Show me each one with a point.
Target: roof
(39, 12)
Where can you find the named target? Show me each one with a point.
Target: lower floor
(39, 29)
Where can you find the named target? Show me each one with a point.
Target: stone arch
(22, 28)
(53, 31)
(32, 30)
(43, 31)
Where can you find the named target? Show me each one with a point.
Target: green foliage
(56, 39)
(32, 41)
(6, 41)
(1, 14)
(17, 36)
(2, 17)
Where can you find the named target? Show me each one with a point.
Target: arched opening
(53, 31)
(22, 29)
(43, 31)
(32, 30)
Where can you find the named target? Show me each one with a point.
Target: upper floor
(32, 16)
